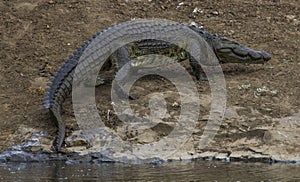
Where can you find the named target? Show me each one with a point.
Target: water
(175, 171)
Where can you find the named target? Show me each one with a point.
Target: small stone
(261, 91)
(193, 24)
(148, 136)
(222, 156)
(290, 17)
(175, 104)
(76, 139)
(243, 111)
(207, 155)
(196, 10)
(77, 149)
(215, 13)
(267, 138)
(231, 32)
(180, 4)
(35, 148)
(246, 86)
(268, 109)
(274, 92)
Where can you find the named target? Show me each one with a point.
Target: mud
(263, 101)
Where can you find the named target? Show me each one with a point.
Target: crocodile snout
(266, 56)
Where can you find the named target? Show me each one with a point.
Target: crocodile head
(230, 51)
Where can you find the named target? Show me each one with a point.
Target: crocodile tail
(55, 113)
(57, 79)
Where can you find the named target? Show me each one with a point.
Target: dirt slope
(36, 37)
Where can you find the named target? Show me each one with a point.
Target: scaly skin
(60, 86)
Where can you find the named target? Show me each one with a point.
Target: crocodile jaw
(229, 51)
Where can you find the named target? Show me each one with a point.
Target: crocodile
(60, 85)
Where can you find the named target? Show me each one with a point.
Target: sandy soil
(38, 35)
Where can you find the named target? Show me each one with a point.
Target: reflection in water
(179, 171)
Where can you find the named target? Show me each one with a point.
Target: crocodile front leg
(197, 70)
(121, 57)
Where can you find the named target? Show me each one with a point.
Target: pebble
(290, 17)
(267, 138)
(196, 10)
(180, 4)
(175, 104)
(231, 32)
(215, 13)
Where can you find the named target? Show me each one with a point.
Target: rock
(222, 156)
(36, 148)
(243, 111)
(197, 10)
(33, 140)
(239, 154)
(208, 155)
(76, 149)
(267, 138)
(148, 136)
(290, 17)
(215, 13)
(205, 100)
(76, 139)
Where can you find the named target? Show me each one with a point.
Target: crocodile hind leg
(120, 57)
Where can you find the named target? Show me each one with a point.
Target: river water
(174, 171)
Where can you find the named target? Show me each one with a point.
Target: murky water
(175, 171)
